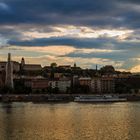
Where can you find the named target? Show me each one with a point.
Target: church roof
(32, 67)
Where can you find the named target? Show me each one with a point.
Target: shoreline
(55, 98)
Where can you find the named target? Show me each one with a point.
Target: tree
(53, 65)
(6, 89)
(108, 69)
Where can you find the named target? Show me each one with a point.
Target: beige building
(85, 81)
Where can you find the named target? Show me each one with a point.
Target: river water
(70, 121)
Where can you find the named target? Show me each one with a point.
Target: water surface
(71, 121)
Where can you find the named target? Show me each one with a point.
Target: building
(75, 67)
(127, 84)
(9, 72)
(103, 85)
(2, 78)
(39, 84)
(36, 83)
(30, 67)
(85, 81)
(107, 85)
(65, 67)
(16, 66)
(3, 66)
(63, 85)
(58, 75)
(75, 80)
(96, 85)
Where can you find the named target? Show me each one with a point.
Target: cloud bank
(87, 32)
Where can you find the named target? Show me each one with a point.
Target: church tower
(22, 62)
(9, 72)
(74, 65)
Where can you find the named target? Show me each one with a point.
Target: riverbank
(36, 98)
(54, 97)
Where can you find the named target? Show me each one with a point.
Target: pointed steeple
(22, 62)
(75, 65)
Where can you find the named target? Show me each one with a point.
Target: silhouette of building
(65, 67)
(22, 62)
(30, 67)
(108, 85)
(74, 65)
(96, 85)
(16, 66)
(9, 72)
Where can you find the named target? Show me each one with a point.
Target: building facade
(39, 84)
(107, 85)
(85, 81)
(30, 67)
(96, 85)
(63, 85)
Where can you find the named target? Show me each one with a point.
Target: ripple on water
(72, 121)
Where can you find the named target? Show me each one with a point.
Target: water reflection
(27, 121)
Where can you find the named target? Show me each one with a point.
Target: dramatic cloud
(4, 7)
(86, 32)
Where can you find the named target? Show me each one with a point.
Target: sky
(85, 32)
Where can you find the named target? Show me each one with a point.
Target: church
(9, 69)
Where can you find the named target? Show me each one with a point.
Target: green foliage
(53, 65)
(107, 69)
(20, 88)
(53, 90)
(122, 87)
(6, 90)
(80, 89)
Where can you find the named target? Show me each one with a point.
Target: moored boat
(99, 98)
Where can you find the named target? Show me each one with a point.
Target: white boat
(99, 98)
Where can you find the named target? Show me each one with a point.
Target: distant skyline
(88, 32)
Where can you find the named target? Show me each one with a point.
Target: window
(2, 67)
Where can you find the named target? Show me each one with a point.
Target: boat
(99, 98)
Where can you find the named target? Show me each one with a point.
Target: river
(70, 121)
